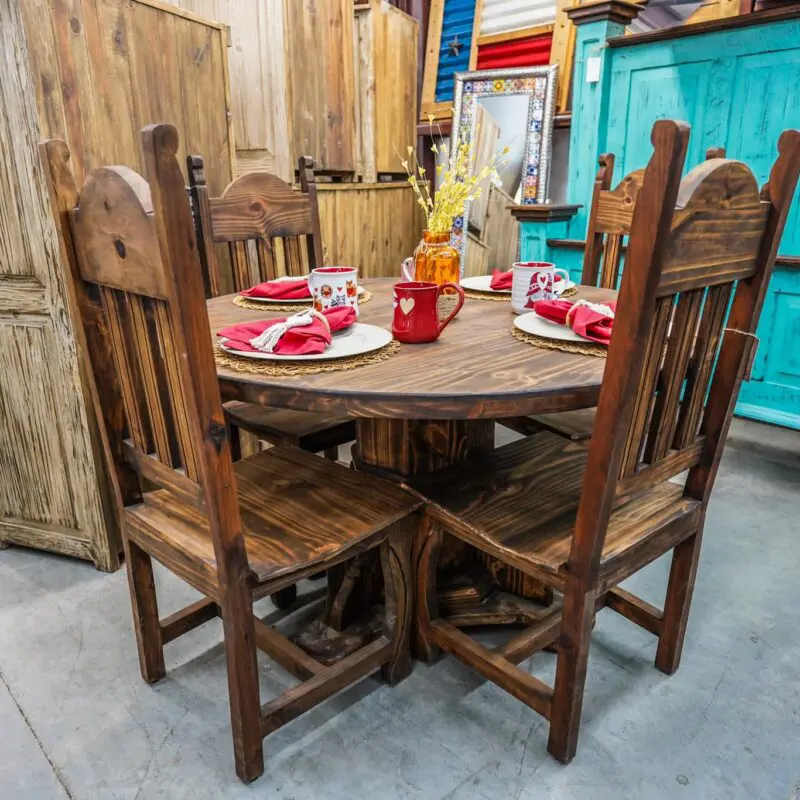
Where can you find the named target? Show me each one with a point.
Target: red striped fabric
(532, 52)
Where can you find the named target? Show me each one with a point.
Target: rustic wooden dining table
(431, 405)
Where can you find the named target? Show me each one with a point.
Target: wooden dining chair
(583, 519)
(267, 226)
(234, 531)
(610, 218)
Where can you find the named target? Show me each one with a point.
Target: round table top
(476, 369)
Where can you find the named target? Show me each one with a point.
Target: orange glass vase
(435, 259)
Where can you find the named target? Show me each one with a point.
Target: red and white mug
(331, 287)
(535, 280)
(416, 311)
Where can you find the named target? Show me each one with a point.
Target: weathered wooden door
(50, 486)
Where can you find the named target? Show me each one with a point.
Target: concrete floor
(76, 720)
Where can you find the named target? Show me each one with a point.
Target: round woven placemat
(297, 305)
(287, 369)
(502, 298)
(587, 349)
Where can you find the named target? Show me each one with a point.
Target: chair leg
(427, 545)
(399, 590)
(331, 453)
(245, 700)
(682, 574)
(145, 612)
(573, 658)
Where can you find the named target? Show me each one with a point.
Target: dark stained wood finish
(619, 11)
(262, 220)
(585, 518)
(243, 531)
(543, 212)
(475, 370)
(610, 219)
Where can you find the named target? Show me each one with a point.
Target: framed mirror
(495, 109)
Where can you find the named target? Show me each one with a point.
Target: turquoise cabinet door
(766, 101)
(773, 393)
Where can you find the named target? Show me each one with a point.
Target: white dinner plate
(298, 300)
(359, 338)
(482, 283)
(532, 323)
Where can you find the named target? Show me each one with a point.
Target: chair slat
(701, 364)
(133, 397)
(679, 348)
(612, 254)
(154, 378)
(173, 377)
(645, 398)
(267, 268)
(240, 262)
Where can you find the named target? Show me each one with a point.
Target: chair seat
(575, 425)
(298, 511)
(520, 503)
(284, 426)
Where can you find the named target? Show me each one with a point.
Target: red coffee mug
(416, 312)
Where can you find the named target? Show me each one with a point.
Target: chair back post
(594, 237)
(625, 362)
(198, 192)
(308, 184)
(739, 342)
(191, 338)
(90, 328)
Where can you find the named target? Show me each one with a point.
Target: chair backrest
(669, 388)
(270, 228)
(610, 218)
(130, 247)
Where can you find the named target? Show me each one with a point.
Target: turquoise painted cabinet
(738, 88)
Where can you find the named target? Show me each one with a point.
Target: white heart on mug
(407, 305)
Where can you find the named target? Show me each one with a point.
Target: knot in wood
(119, 247)
(217, 433)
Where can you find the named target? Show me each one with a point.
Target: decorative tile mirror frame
(539, 84)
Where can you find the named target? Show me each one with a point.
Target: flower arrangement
(456, 185)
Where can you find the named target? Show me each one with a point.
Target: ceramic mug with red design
(331, 287)
(535, 280)
(416, 310)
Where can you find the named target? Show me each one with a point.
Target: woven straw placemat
(584, 349)
(502, 298)
(285, 369)
(297, 305)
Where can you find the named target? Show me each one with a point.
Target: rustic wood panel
(369, 226)
(501, 231)
(487, 133)
(97, 82)
(477, 260)
(50, 492)
(259, 81)
(386, 48)
(321, 101)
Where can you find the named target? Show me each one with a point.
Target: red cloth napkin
(307, 340)
(588, 322)
(280, 290)
(501, 281)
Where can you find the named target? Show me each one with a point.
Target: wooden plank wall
(106, 68)
(386, 42)
(319, 63)
(370, 226)
(259, 81)
(501, 233)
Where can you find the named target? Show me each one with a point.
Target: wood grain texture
(386, 46)
(585, 518)
(374, 227)
(248, 530)
(97, 84)
(52, 494)
(475, 370)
